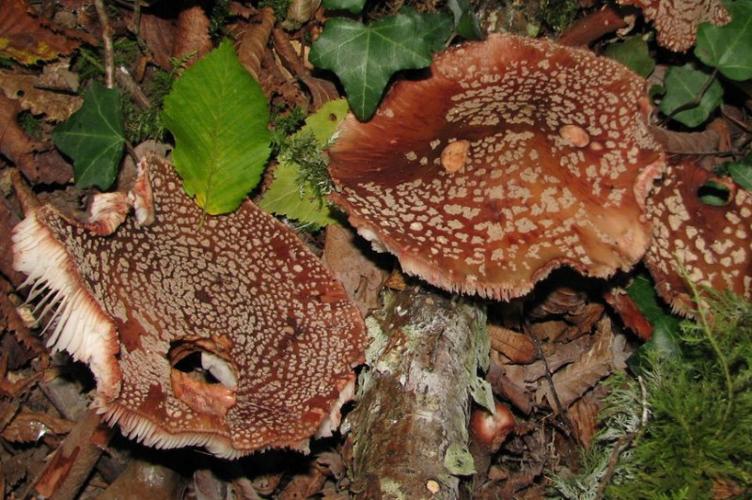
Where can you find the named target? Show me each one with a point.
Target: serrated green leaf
(634, 54)
(741, 172)
(218, 115)
(728, 47)
(683, 85)
(465, 21)
(93, 137)
(365, 57)
(353, 6)
(287, 196)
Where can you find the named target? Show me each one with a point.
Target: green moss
(279, 6)
(559, 14)
(699, 414)
(30, 124)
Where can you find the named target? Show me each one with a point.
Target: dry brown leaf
(73, 460)
(252, 40)
(266, 484)
(299, 12)
(686, 143)
(513, 391)
(37, 163)
(23, 38)
(191, 40)
(351, 265)
(574, 380)
(29, 427)
(303, 485)
(629, 313)
(321, 90)
(516, 346)
(58, 76)
(142, 479)
(583, 414)
(24, 87)
(159, 35)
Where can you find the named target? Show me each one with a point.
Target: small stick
(126, 81)
(109, 58)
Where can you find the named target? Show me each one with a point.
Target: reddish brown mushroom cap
(270, 321)
(676, 21)
(557, 165)
(708, 245)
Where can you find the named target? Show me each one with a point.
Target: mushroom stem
(593, 26)
(411, 423)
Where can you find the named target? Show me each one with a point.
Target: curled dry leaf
(252, 40)
(321, 90)
(191, 41)
(159, 35)
(518, 347)
(629, 313)
(38, 163)
(299, 12)
(687, 143)
(55, 106)
(575, 379)
(351, 265)
(24, 39)
(29, 427)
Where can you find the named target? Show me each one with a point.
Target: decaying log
(409, 428)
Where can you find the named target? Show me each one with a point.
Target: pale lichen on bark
(409, 428)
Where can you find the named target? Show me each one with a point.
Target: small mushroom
(275, 334)
(557, 162)
(706, 245)
(676, 21)
(490, 430)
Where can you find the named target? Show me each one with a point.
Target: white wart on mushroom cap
(549, 164)
(707, 245)
(269, 320)
(676, 21)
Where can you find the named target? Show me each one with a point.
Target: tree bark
(409, 429)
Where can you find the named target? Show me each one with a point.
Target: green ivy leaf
(683, 85)
(465, 21)
(93, 137)
(728, 47)
(354, 6)
(741, 172)
(218, 115)
(365, 57)
(634, 54)
(289, 197)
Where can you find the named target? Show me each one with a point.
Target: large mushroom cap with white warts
(274, 329)
(676, 21)
(516, 156)
(698, 243)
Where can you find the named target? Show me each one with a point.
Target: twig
(126, 81)
(561, 411)
(109, 58)
(624, 443)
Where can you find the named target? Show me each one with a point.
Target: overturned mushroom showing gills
(676, 21)
(556, 163)
(275, 334)
(707, 245)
